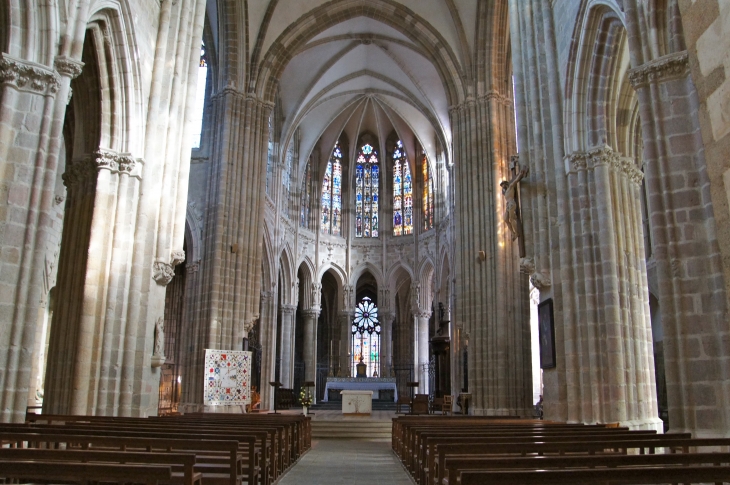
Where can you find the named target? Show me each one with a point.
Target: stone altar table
(375, 384)
(357, 403)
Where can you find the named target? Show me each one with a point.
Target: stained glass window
(367, 192)
(304, 204)
(402, 193)
(332, 194)
(366, 337)
(200, 96)
(427, 196)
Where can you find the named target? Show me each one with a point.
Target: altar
(375, 384)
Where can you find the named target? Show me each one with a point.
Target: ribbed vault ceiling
(364, 75)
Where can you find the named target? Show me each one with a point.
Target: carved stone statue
(159, 337)
(509, 192)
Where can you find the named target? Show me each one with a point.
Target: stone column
(345, 317)
(491, 295)
(268, 346)
(286, 367)
(310, 344)
(610, 364)
(386, 343)
(420, 351)
(31, 120)
(686, 250)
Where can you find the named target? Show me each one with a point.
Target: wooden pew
(251, 453)
(86, 472)
(223, 453)
(270, 446)
(183, 461)
(456, 465)
(648, 446)
(649, 475)
(426, 462)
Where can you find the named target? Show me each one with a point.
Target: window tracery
(402, 193)
(427, 196)
(366, 337)
(367, 196)
(332, 194)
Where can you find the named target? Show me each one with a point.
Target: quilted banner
(227, 377)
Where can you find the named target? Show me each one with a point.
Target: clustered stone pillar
(420, 340)
(491, 295)
(692, 292)
(346, 317)
(269, 346)
(386, 343)
(310, 344)
(608, 353)
(288, 324)
(31, 118)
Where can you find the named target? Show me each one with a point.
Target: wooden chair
(447, 406)
(402, 401)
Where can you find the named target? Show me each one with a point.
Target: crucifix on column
(510, 193)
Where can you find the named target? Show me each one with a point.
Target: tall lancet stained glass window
(367, 195)
(427, 196)
(332, 194)
(402, 193)
(366, 337)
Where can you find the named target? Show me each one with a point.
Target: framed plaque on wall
(546, 328)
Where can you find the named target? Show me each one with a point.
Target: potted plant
(305, 399)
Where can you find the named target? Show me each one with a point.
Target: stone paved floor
(351, 462)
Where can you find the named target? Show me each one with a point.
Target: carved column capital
(28, 76)
(288, 309)
(667, 67)
(540, 281)
(419, 313)
(311, 313)
(68, 67)
(162, 273)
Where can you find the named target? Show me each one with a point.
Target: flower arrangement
(305, 398)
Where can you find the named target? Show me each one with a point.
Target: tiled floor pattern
(350, 462)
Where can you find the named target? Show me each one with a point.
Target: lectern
(276, 386)
(412, 385)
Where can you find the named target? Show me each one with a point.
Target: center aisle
(338, 462)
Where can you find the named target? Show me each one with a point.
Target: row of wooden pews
(469, 450)
(217, 449)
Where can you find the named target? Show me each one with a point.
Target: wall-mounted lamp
(482, 256)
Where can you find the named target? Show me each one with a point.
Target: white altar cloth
(357, 403)
(360, 384)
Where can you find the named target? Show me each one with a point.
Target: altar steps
(378, 405)
(364, 430)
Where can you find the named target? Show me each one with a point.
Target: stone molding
(667, 67)
(471, 101)
(231, 90)
(68, 67)
(28, 76)
(604, 155)
(192, 267)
